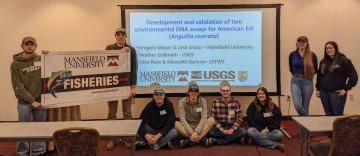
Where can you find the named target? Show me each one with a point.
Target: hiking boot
(140, 145)
(110, 145)
(280, 147)
(186, 143)
(170, 145)
(210, 141)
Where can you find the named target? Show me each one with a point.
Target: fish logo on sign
(57, 79)
(242, 76)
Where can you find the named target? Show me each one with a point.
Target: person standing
(227, 113)
(26, 83)
(335, 77)
(194, 124)
(158, 120)
(264, 119)
(303, 67)
(120, 36)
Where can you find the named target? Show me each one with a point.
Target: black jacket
(257, 119)
(151, 117)
(344, 75)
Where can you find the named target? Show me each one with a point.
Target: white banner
(83, 77)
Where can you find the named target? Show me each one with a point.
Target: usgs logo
(219, 75)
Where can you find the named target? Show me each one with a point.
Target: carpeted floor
(292, 148)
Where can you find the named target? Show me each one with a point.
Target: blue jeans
(333, 103)
(269, 141)
(224, 139)
(26, 113)
(301, 91)
(172, 134)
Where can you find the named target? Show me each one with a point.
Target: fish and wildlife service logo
(196, 75)
(57, 79)
(242, 76)
(112, 61)
(182, 76)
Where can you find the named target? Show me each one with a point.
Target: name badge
(163, 112)
(199, 109)
(267, 114)
(231, 112)
(38, 63)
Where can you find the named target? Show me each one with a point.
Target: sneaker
(242, 141)
(169, 145)
(186, 143)
(210, 141)
(140, 145)
(110, 145)
(280, 147)
(250, 141)
(203, 140)
(127, 143)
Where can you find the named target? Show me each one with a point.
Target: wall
(68, 25)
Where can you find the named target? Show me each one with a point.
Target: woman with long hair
(264, 119)
(303, 67)
(335, 77)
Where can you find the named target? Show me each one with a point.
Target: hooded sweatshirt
(26, 78)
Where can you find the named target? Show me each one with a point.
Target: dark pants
(333, 103)
(224, 139)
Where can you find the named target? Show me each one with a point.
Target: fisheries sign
(82, 77)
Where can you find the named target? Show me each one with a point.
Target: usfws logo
(57, 79)
(242, 76)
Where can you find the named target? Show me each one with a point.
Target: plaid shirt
(227, 114)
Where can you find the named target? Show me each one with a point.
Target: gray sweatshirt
(189, 113)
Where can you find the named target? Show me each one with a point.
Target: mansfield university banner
(82, 77)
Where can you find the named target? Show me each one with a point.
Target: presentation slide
(175, 47)
(206, 47)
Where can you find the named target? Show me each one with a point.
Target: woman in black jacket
(335, 77)
(264, 118)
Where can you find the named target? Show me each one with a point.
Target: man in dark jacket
(158, 121)
(120, 36)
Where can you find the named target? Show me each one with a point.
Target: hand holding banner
(82, 77)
